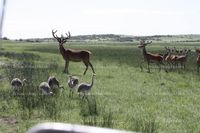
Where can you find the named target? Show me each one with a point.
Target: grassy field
(123, 97)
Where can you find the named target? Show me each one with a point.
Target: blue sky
(36, 18)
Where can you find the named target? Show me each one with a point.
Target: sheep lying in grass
(53, 82)
(72, 83)
(45, 88)
(17, 84)
(50, 87)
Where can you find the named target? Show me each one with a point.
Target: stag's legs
(176, 65)
(66, 67)
(184, 65)
(159, 66)
(148, 67)
(86, 64)
(141, 68)
(90, 64)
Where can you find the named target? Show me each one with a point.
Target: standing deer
(150, 57)
(71, 54)
(198, 60)
(181, 58)
(168, 56)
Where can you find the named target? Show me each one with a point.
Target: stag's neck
(144, 52)
(63, 51)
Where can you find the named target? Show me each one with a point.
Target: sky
(37, 18)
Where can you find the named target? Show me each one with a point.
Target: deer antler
(142, 42)
(55, 36)
(148, 42)
(68, 35)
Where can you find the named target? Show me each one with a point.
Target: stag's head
(61, 40)
(143, 43)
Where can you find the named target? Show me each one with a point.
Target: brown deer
(181, 58)
(170, 59)
(71, 54)
(198, 59)
(150, 57)
(167, 57)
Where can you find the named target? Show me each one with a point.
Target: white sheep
(53, 81)
(72, 83)
(45, 88)
(17, 84)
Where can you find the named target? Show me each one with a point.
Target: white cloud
(135, 12)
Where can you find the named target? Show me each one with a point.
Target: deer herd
(173, 58)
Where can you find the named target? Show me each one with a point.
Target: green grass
(123, 97)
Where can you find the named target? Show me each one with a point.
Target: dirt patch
(9, 120)
(2, 78)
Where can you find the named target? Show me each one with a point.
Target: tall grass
(145, 125)
(122, 97)
(94, 114)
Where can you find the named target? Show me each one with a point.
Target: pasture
(122, 97)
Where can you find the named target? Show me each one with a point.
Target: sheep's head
(53, 81)
(24, 81)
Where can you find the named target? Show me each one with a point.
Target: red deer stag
(198, 59)
(150, 57)
(71, 54)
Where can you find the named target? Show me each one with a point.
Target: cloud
(110, 12)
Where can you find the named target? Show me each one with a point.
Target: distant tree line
(118, 38)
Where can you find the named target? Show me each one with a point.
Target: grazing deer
(167, 56)
(150, 57)
(171, 57)
(71, 54)
(181, 58)
(198, 59)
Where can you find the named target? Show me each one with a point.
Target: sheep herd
(52, 85)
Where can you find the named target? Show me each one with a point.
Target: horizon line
(128, 35)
